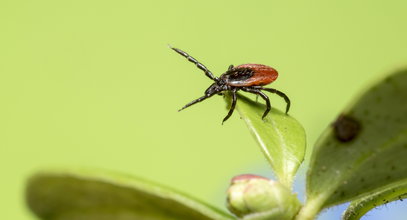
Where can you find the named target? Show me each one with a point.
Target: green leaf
(94, 195)
(364, 150)
(281, 137)
(360, 207)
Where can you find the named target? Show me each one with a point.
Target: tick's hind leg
(264, 96)
(281, 94)
(232, 106)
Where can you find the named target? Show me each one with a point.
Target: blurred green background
(93, 83)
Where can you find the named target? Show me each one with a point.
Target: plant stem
(286, 181)
(311, 209)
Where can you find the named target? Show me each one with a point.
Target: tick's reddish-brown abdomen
(261, 75)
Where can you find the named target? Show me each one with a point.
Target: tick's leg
(196, 101)
(230, 67)
(194, 61)
(279, 93)
(264, 96)
(232, 106)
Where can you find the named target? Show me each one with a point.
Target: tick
(246, 77)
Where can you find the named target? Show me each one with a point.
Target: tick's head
(214, 88)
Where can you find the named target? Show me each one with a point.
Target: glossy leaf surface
(281, 137)
(94, 195)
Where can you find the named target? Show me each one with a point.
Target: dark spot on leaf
(362, 179)
(393, 167)
(346, 128)
(342, 194)
(388, 177)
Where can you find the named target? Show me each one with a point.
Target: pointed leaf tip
(281, 137)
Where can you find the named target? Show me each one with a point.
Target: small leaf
(360, 207)
(281, 137)
(93, 195)
(364, 150)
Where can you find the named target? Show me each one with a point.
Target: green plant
(359, 158)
